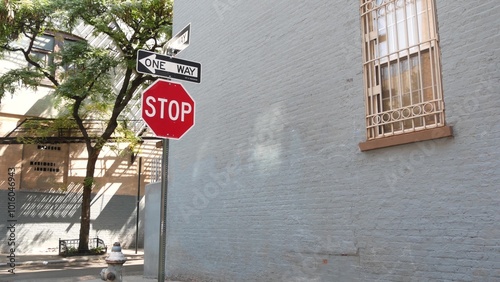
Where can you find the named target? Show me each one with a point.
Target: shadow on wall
(44, 107)
(49, 206)
(118, 218)
(41, 218)
(44, 217)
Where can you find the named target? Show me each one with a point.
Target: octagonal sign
(168, 109)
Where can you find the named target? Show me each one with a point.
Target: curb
(66, 260)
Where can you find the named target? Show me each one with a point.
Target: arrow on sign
(166, 66)
(153, 64)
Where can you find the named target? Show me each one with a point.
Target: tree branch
(11, 49)
(76, 115)
(35, 64)
(125, 95)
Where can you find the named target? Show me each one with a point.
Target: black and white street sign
(178, 42)
(168, 67)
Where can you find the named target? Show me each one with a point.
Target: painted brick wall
(270, 184)
(43, 218)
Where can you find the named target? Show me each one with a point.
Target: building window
(43, 49)
(402, 71)
(47, 50)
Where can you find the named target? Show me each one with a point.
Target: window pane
(44, 59)
(408, 92)
(44, 42)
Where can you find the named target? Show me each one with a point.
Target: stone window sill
(429, 134)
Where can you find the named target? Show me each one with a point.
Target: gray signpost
(167, 67)
(163, 212)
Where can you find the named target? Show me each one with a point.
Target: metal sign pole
(139, 170)
(163, 212)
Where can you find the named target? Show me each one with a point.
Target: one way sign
(166, 66)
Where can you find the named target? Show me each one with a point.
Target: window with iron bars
(402, 69)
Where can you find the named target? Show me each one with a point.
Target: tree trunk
(88, 182)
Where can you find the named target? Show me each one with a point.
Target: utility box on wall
(152, 230)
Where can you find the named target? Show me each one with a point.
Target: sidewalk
(134, 278)
(40, 259)
(54, 258)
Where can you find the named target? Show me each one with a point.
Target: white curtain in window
(403, 26)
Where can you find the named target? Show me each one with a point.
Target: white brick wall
(270, 184)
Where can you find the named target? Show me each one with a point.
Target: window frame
(377, 116)
(38, 49)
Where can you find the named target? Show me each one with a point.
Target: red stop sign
(168, 109)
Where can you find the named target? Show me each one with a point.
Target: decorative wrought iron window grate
(402, 71)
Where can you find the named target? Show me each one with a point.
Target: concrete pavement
(54, 258)
(36, 262)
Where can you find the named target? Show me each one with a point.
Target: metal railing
(68, 247)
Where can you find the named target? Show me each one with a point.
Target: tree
(80, 72)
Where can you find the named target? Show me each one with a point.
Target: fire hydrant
(115, 262)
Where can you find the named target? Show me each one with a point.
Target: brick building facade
(274, 184)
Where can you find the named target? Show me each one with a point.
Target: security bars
(402, 74)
